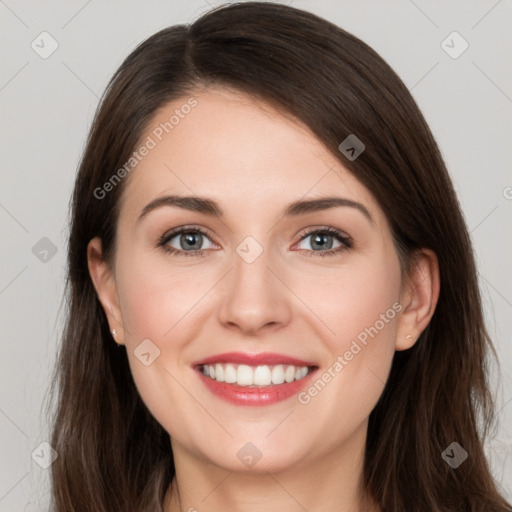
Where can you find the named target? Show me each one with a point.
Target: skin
(254, 161)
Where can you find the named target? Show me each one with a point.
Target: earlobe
(419, 298)
(104, 283)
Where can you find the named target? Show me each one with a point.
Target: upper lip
(266, 358)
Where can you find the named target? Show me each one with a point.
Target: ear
(419, 296)
(103, 280)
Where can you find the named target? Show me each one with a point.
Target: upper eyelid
(324, 229)
(177, 231)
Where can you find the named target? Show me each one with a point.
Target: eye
(187, 241)
(322, 241)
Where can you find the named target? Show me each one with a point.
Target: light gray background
(47, 107)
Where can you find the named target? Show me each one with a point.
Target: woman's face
(255, 283)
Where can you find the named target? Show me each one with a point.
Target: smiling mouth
(255, 376)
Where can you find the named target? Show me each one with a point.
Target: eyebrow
(210, 207)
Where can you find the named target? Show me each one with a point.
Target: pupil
(322, 245)
(189, 238)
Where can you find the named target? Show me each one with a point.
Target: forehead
(239, 151)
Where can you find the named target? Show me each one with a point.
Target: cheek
(158, 305)
(356, 299)
(156, 299)
(361, 309)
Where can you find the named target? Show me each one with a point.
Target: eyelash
(344, 239)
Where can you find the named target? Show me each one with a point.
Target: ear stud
(114, 334)
(408, 337)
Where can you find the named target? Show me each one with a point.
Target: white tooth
(262, 376)
(244, 375)
(219, 373)
(278, 374)
(289, 374)
(229, 374)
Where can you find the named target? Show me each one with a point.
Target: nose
(255, 297)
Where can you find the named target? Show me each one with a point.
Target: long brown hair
(112, 454)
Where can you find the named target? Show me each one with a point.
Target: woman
(263, 223)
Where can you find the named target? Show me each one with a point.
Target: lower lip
(244, 395)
